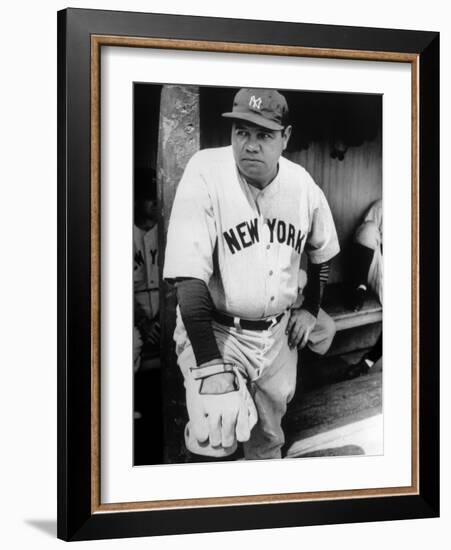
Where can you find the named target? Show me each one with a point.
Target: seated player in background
(366, 261)
(147, 399)
(146, 336)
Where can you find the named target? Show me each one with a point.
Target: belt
(246, 324)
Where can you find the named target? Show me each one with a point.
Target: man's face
(257, 150)
(147, 215)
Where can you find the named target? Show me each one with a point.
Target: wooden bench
(334, 305)
(356, 330)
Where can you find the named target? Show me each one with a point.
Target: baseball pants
(270, 367)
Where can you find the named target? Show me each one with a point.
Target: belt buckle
(237, 324)
(273, 322)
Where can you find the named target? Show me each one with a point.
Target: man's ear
(286, 133)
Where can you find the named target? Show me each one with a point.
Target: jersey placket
(261, 199)
(255, 196)
(271, 260)
(270, 256)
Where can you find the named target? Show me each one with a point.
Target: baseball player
(367, 257)
(146, 334)
(242, 217)
(367, 272)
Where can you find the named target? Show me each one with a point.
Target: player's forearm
(196, 308)
(317, 276)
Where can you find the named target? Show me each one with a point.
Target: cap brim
(257, 119)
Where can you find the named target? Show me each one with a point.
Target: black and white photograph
(257, 274)
(239, 345)
(225, 275)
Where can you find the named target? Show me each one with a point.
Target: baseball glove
(217, 421)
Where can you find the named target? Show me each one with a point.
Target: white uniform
(145, 269)
(145, 281)
(369, 234)
(246, 245)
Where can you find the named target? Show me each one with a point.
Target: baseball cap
(267, 108)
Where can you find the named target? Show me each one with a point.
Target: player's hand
(218, 420)
(223, 382)
(299, 327)
(227, 419)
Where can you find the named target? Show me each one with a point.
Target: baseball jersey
(375, 274)
(145, 269)
(374, 214)
(244, 243)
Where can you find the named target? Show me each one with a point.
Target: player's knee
(367, 234)
(324, 336)
(329, 334)
(330, 328)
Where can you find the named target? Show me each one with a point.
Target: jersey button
(272, 298)
(268, 246)
(271, 272)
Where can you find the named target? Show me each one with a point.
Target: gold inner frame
(97, 41)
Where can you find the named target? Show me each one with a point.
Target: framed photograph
(248, 274)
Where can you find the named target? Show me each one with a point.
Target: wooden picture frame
(81, 35)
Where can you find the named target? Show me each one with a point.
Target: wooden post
(177, 142)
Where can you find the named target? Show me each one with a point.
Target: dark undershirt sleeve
(196, 308)
(317, 275)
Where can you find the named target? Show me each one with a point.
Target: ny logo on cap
(255, 102)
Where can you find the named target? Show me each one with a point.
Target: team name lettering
(271, 224)
(232, 241)
(139, 259)
(153, 254)
(246, 234)
(299, 242)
